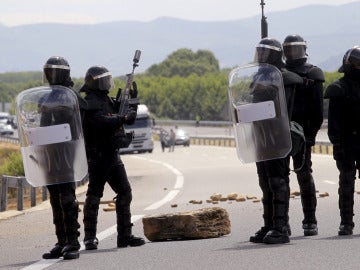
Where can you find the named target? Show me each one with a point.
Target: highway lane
(193, 173)
(228, 131)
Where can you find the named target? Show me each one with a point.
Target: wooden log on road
(198, 224)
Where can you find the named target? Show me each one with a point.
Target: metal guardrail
(229, 141)
(20, 184)
(204, 123)
(201, 123)
(9, 139)
(213, 140)
(323, 148)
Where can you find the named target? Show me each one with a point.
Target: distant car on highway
(181, 137)
(4, 117)
(6, 129)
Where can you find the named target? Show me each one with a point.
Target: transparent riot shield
(52, 142)
(259, 113)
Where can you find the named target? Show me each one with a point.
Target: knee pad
(92, 201)
(68, 201)
(347, 178)
(123, 199)
(278, 184)
(263, 183)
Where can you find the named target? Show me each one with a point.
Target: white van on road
(143, 137)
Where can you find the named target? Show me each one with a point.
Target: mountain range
(329, 31)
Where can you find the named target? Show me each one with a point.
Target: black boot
(71, 212)
(58, 220)
(279, 234)
(259, 235)
(346, 229)
(71, 250)
(91, 244)
(124, 225)
(310, 229)
(346, 202)
(131, 241)
(309, 202)
(267, 216)
(55, 252)
(125, 237)
(267, 212)
(91, 209)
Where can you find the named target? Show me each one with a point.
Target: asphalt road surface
(162, 179)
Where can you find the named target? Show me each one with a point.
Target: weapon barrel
(123, 98)
(264, 24)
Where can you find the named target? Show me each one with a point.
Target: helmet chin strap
(353, 74)
(296, 62)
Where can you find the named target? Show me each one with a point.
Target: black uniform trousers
(106, 167)
(274, 183)
(303, 168)
(65, 212)
(347, 166)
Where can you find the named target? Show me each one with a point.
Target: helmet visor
(55, 74)
(264, 52)
(294, 51)
(353, 58)
(104, 81)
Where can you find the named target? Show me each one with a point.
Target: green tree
(185, 62)
(185, 97)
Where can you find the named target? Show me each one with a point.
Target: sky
(18, 12)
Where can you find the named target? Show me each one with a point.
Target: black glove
(133, 90)
(130, 117)
(121, 119)
(116, 104)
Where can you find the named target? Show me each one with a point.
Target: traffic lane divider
(319, 147)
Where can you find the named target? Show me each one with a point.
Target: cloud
(26, 18)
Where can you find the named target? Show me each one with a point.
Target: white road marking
(330, 182)
(42, 264)
(171, 195)
(179, 177)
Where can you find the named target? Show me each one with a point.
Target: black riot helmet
(269, 50)
(57, 71)
(351, 60)
(295, 49)
(98, 78)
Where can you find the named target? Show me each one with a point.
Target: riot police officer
(274, 174)
(308, 112)
(101, 125)
(344, 133)
(62, 196)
